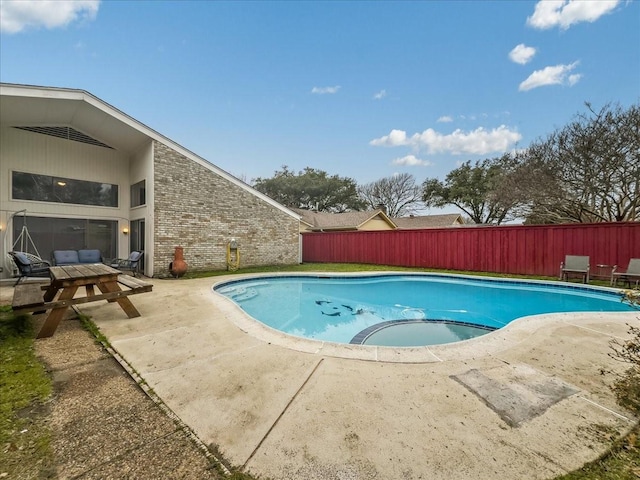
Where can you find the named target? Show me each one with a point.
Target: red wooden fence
(516, 249)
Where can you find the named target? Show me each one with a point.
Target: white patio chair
(575, 265)
(633, 272)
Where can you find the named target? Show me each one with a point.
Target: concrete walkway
(528, 401)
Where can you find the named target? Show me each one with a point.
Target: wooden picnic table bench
(27, 297)
(60, 294)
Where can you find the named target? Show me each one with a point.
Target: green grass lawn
(25, 386)
(621, 462)
(25, 450)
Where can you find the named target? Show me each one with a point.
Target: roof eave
(31, 91)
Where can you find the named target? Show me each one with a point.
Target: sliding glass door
(46, 234)
(136, 241)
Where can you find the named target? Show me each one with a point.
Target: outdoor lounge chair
(633, 272)
(29, 265)
(131, 264)
(575, 265)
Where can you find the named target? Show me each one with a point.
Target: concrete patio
(528, 401)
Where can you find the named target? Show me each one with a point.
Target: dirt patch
(102, 423)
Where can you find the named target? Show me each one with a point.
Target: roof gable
(340, 221)
(48, 107)
(429, 221)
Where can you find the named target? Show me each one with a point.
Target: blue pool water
(404, 310)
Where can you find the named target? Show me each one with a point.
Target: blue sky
(359, 89)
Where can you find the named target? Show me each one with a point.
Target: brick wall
(201, 211)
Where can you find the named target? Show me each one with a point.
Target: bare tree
(588, 171)
(399, 194)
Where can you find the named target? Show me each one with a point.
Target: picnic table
(60, 294)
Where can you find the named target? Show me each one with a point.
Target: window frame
(137, 189)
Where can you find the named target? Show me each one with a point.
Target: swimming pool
(405, 309)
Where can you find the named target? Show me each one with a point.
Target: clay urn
(178, 267)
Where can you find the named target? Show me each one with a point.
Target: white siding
(43, 154)
(142, 169)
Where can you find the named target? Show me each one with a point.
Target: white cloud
(325, 90)
(556, 75)
(573, 79)
(522, 54)
(477, 142)
(445, 119)
(18, 15)
(411, 161)
(564, 13)
(380, 95)
(394, 139)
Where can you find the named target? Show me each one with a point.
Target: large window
(49, 234)
(44, 188)
(138, 194)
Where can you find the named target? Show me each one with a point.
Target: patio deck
(528, 400)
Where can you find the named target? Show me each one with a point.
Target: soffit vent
(67, 133)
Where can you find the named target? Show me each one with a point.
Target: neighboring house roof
(48, 107)
(429, 221)
(323, 221)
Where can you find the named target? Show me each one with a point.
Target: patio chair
(633, 272)
(131, 264)
(29, 265)
(576, 265)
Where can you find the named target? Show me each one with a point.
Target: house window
(44, 188)
(138, 194)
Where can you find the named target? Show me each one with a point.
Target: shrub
(627, 385)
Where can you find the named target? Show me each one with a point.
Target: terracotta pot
(178, 267)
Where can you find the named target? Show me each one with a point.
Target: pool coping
(489, 344)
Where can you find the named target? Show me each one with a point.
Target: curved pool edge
(489, 344)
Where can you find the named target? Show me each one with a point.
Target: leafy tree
(311, 189)
(398, 193)
(477, 190)
(587, 171)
